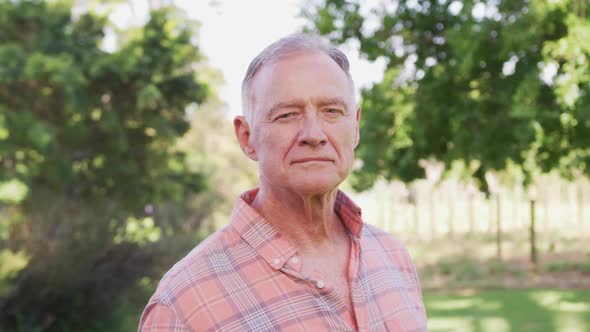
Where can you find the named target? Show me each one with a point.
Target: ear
(357, 126)
(242, 131)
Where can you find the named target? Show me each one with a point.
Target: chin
(314, 186)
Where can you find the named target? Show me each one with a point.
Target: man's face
(304, 125)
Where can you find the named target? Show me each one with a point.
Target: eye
(333, 111)
(285, 116)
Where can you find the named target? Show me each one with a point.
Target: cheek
(271, 146)
(347, 140)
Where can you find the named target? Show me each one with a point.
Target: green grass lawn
(505, 310)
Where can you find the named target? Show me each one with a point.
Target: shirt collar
(349, 213)
(268, 243)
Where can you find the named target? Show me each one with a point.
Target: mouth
(306, 160)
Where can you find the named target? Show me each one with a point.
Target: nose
(312, 133)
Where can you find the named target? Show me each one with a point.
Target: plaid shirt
(247, 277)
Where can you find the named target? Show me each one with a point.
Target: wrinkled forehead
(304, 75)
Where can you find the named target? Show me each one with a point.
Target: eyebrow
(332, 101)
(296, 103)
(300, 103)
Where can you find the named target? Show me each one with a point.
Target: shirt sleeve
(159, 317)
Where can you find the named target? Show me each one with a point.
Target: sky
(233, 32)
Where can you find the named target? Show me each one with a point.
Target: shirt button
(320, 284)
(294, 260)
(276, 261)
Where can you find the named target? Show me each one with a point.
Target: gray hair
(287, 46)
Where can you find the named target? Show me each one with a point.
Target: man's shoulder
(191, 283)
(201, 263)
(376, 236)
(379, 244)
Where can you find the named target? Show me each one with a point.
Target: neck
(307, 220)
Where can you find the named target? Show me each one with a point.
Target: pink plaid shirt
(247, 277)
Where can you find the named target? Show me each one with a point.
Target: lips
(305, 160)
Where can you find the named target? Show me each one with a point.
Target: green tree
(469, 81)
(92, 137)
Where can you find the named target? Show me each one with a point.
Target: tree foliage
(71, 111)
(92, 136)
(490, 84)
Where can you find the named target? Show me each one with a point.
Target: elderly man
(297, 255)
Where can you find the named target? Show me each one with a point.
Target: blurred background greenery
(475, 151)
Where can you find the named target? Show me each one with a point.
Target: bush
(92, 135)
